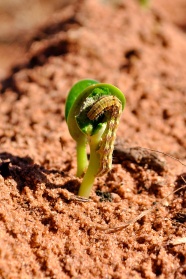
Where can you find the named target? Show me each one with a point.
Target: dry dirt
(44, 232)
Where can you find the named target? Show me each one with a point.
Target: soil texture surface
(45, 231)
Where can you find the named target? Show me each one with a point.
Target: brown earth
(44, 231)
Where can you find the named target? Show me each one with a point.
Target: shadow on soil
(26, 173)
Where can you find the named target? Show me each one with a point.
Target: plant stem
(144, 3)
(82, 161)
(94, 164)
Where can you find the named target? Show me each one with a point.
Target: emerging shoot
(144, 3)
(92, 113)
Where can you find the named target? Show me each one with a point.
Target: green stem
(94, 164)
(82, 161)
(144, 3)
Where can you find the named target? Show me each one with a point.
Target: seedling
(144, 3)
(92, 113)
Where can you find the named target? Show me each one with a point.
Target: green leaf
(75, 91)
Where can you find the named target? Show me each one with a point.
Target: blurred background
(19, 17)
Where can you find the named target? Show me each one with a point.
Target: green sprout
(92, 113)
(144, 3)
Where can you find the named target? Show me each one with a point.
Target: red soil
(44, 232)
